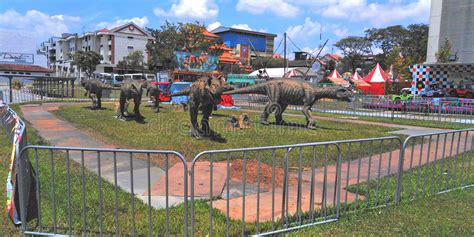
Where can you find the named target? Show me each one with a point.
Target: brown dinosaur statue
(284, 92)
(153, 91)
(131, 90)
(94, 88)
(204, 94)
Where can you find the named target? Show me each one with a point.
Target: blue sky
(301, 19)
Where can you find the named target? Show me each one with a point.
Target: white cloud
(213, 26)
(246, 27)
(140, 21)
(40, 24)
(308, 28)
(190, 10)
(281, 8)
(378, 13)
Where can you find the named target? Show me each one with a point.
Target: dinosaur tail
(181, 93)
(109, 87)
(255, 89)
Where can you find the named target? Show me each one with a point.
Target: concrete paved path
(61, 133)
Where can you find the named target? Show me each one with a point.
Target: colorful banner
(196, 62)
(244, 52)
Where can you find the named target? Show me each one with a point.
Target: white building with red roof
(112, 44)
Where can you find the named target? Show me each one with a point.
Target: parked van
(118, 79)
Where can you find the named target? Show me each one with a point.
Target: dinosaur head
(218, 85)
(345, 94)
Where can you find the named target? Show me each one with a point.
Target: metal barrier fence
(453, 110)
(72, 95)
(435, 163)
(260, 190)
(112, 175)
(259, 195)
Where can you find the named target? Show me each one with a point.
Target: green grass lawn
(445, 214)
(449, 214)
(169, 130)
(400, 121)
(421, 211)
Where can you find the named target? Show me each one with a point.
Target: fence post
(439, 111)
(401, 158)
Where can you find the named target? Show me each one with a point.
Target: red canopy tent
(376, 78)
(360, 84)
(334, 74)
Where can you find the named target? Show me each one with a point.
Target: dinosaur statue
(94, 88)
(131, 90)
(284, 92)
(153, 91)
(204, 94)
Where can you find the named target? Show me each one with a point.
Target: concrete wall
(122, 42)
(452, 20)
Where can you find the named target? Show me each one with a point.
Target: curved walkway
(61, 133)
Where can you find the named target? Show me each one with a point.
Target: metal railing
(452, 110)
(114, 175)
(271, 201)
(258, 190)
(72, 95)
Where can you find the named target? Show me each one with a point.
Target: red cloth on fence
(226, 100)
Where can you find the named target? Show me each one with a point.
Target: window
(130, 37)
(130, 49)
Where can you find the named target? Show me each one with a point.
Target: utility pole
(284, 54)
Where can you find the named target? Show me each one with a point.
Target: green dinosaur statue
(153, 91)
(204, 94)
(131, 90)
(284, 92)
(94, 88)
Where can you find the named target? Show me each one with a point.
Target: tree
(387, 38)
(415, 45)
(86, 61)
(172, 37)
(442, 56)
(134, 62)
(354, 49)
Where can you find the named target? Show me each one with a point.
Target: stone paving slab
(202, 184)
(61, 133)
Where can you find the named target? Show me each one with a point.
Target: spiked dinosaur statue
(284, 92)
(94, 88)
(154, 91)
(131, 90)
(204, 94)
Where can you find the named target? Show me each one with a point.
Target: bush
(16, 84)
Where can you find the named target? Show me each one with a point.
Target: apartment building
(112, 44)
(244, 43)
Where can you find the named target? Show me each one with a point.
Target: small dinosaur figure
(131, 90)
(94, 88)
(153, 91)
(204, 94)
(284, 92)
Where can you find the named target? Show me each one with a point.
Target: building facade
(452, 20)
(244, 43)
(113, 45)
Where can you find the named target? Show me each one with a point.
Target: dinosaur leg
(279, 114)
(136, 110)
(310, 122)
(157, 105)
(123, 100)
(193, 113)
(206, 113)
(265, 114)
(99, 101)
(91, 96)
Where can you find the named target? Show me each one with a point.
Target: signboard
(196, 62)
(18, 58)
(244, 51)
